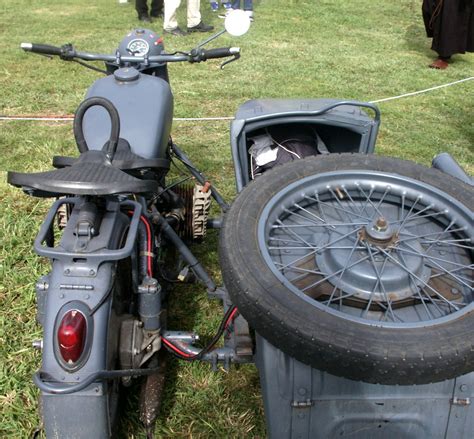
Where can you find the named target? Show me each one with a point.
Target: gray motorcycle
(351, 263)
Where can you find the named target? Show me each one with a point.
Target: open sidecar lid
(345, 126)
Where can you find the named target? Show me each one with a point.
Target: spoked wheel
(358, 265)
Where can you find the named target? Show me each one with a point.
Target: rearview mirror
(237, 23)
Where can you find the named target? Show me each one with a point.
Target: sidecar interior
(91, 174)
(297, 128)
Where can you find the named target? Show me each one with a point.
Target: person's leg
(236, 4)
(170, 21)
(248, 5)
(194, 13)
(156, 8)
(142, 8)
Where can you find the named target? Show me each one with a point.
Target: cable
(229, 316)
(149, 243)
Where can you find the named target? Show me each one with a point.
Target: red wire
(176, 349)
(148, 234)
(184, 354)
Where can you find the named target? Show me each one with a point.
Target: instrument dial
(138, 47)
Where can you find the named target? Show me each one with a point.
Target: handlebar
(67, 52)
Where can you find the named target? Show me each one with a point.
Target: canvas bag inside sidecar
(300, 401)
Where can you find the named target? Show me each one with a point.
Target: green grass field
(356, 49)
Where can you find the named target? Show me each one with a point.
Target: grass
(326, 48)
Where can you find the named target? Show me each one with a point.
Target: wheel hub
(368, 269)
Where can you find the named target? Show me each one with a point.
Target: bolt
(463, 387)
(91, 272)
(67, 271)
(38, 344)
(381, 224)
(61, 296)
(87, 297)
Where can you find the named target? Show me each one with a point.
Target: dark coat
(451, 25)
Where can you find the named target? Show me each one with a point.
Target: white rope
(204, 119)
(426, 90)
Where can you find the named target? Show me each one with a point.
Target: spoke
(416, 215)
(298, 237)
(302, 270)
(323, 247)
(293, 214)
(344, 209)
(417, 290)
(409, 213)
(372, 293)
(387, 190)
(450, 272)
(335, 273)
(345, 267)
(379, 280)
(289, 226)
(433, 258)
(402, 208)
(444, 269)
(439, 236)
(324, 203)
(416, 277)
(343, 247)
(339, 298)
(356, 207)
(412, 236)
(369, 200)
(309, 213)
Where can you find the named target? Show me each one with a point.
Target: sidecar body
(304, 402)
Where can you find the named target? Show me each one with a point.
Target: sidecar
(337, 399)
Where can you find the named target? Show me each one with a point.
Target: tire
(392, 302)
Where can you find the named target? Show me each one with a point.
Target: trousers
(193, 13)
(155, 9)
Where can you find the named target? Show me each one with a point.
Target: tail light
(72, 334)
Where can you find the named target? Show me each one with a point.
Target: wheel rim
(371, 247)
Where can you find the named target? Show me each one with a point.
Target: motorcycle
(340, 246)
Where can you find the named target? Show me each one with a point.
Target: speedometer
(138, 47)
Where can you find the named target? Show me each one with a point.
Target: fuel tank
(145, 106)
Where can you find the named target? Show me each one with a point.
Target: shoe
(177, 32)
(156, 15)
(214, 6)
(250, 15)
(226, 5)
(226, 14)
(145, 18)
(201, 27)
(439, 64)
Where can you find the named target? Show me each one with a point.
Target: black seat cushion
(123, 159)
(91, 174)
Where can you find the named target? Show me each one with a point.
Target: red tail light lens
(72, 332)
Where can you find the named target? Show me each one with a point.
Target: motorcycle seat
(90, 174)
(123, 159)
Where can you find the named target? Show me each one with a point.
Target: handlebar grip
(222, 52)
(41, 48)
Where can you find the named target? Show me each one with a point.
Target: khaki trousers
(193, 14)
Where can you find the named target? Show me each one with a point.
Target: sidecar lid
(92, 174)
(344, 126)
